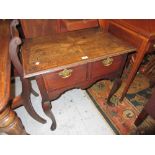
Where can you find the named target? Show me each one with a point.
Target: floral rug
(121, 117)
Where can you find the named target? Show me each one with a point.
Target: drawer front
(106, 66)
(65, 78)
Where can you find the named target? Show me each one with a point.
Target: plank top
(4, 64)
(51, 53)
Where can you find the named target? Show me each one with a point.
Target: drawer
(65, 78)
(106, 66)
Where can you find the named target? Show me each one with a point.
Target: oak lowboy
(63, 61)
(81, 76)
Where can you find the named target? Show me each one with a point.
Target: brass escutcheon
(108, 61)
(65, 73)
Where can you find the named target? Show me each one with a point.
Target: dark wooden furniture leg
(115, 87)
(117, 82)
(46, 104)
(10, 123)
(139, 57)
(24, 98)
(149, 109)
(141, 117)
(34, 92)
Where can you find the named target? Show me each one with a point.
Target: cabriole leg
(46, 104)
(115, 87)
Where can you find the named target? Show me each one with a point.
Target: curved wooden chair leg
(115, 87)
(47, 106)
(26, 102)
(25, 96)
(29, 108)
(26, 85)
(10, 123)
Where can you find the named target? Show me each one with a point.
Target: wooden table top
(4, 64)
(145, 27)
(51, 53)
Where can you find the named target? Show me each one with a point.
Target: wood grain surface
(38, 27)
(4, 64)
(77, 24)
(52, 53)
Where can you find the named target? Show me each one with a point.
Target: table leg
(117, 82)
(139, 57)
(141, 117)
(10, 123)
(46, 104)
(115, 87)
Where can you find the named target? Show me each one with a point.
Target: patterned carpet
(121, 117)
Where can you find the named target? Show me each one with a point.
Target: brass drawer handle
(108, 61)
(153, 45)
(65, 73)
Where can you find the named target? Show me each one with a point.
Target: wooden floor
(74, 111)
